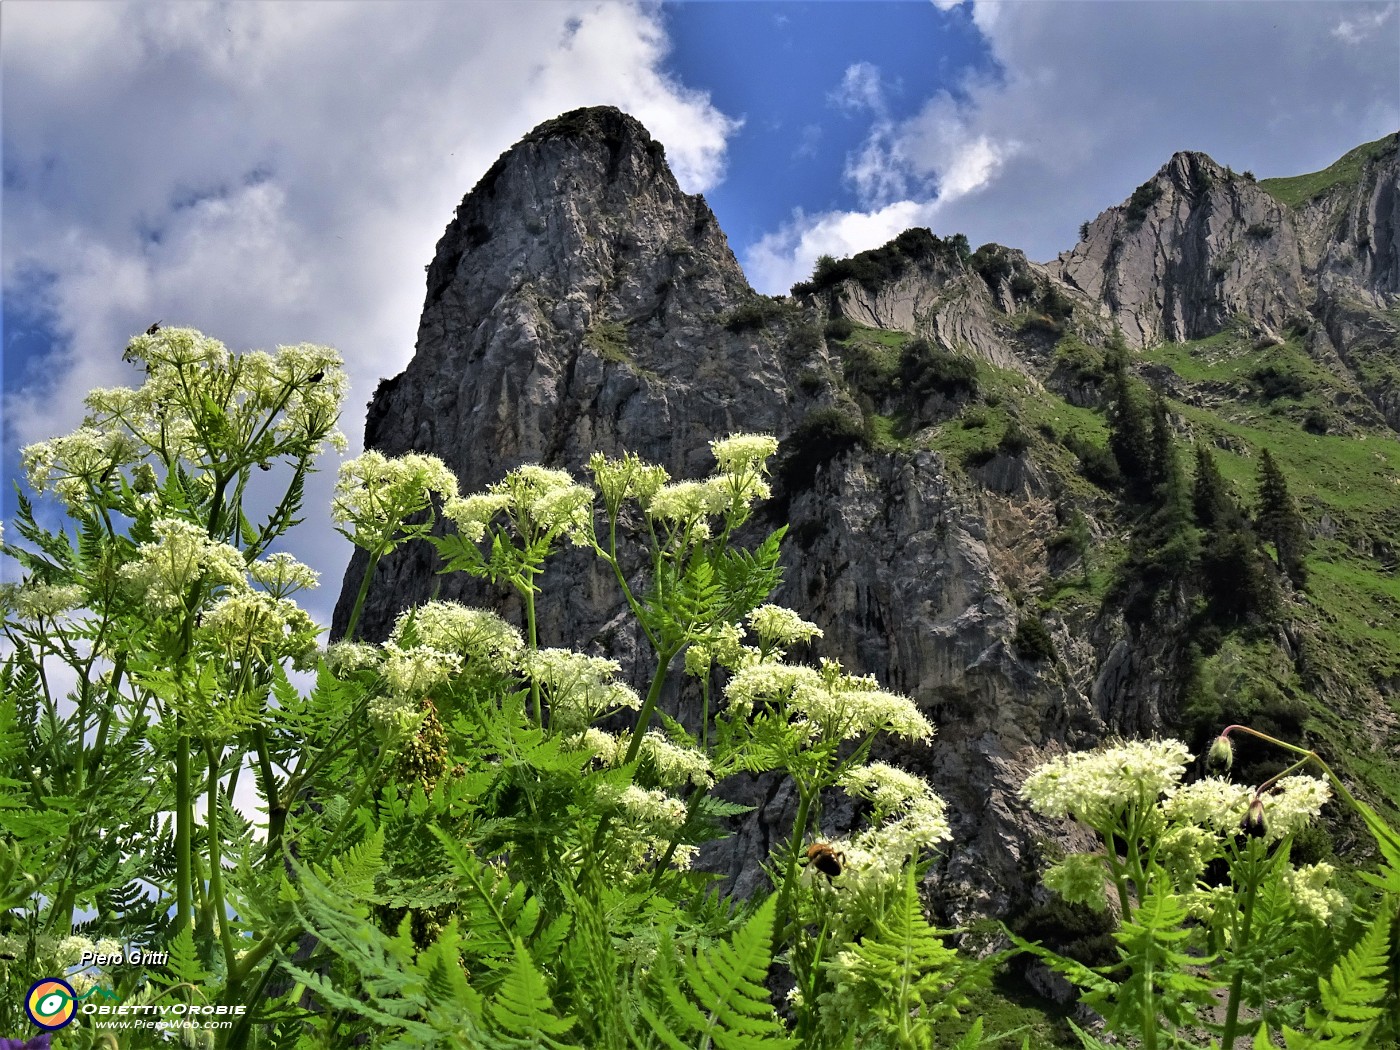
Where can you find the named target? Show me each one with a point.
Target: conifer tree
(1279, 520)
(1129, 438)
(1211, 500)
(1232, 572)
(1162, 455)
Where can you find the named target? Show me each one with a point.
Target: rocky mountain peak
(1193, 246)
(943, 471)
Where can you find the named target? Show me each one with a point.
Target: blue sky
(280, 172)
(781, 68)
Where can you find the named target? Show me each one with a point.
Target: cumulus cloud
(280, 173)
(782, 258)
(1090, 99)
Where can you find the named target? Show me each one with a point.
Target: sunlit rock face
(580, 301)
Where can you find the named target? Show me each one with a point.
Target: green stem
(799, 832)
(528, 592)
(690, 807)
(184, 818)
(360, 597)
(649, 705)
(216, 870)
(1232, 1010)
(1120, 881)
(276, 805)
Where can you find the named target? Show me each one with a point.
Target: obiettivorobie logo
(51, 1002)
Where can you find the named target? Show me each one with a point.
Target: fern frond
(523, 1008)
(1352, 995)
(728, 1006)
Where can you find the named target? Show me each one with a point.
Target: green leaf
(523, 1007)
(183, 964)
(1352, 995)
(727, 1006)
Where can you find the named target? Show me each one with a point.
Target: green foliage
(905, 979)
(839, 328)
(522, 1009)
(1345, 171)
(1351, 996)
(1279, 521)
(610, 341)
(822, 436)
(1140, 203)
(1032, 640)
(758, 312)
(925, 369)
(1084, 363)
(723, 1002)
(878, 266)
(1161, 993)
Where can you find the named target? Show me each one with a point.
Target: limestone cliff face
(575, 303)
(580, 301)
(1193, 247)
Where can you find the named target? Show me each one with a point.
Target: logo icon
(49, 1003)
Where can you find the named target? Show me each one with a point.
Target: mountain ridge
(944, 439)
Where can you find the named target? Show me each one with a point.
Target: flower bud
(1253, 823)
(1221, 754)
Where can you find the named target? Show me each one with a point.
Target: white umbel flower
(1092, 786)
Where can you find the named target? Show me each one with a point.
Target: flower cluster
(260, 625)
(540, 502)
(1212, 803)
(725, 646)
(744, 453)
(1293, 803)
(396, 714)
(777, 626)
(1096, 786)
(829, 703)
(848, 707)
(283, 575)
(579, 688)
(688, 502)
(1308, 889)
(452, 627)
(1079, 879)
(181, 556)
(890, 788)
(628, 477)
(651, 820)
(374, 494)
(77, 463)
(413, 672)
(347, 657)
(201, 404)
(44, 601)
(675, 764)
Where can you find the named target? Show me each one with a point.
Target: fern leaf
(523, 1007)
(1352, 995)
(353, 873)
(728, 1007)
(183, 964)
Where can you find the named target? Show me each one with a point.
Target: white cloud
(1358, 30)
(782, 258)
(1090, 99)
(860, 90)
(280, 173)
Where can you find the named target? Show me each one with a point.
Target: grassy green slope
(1299, 189)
